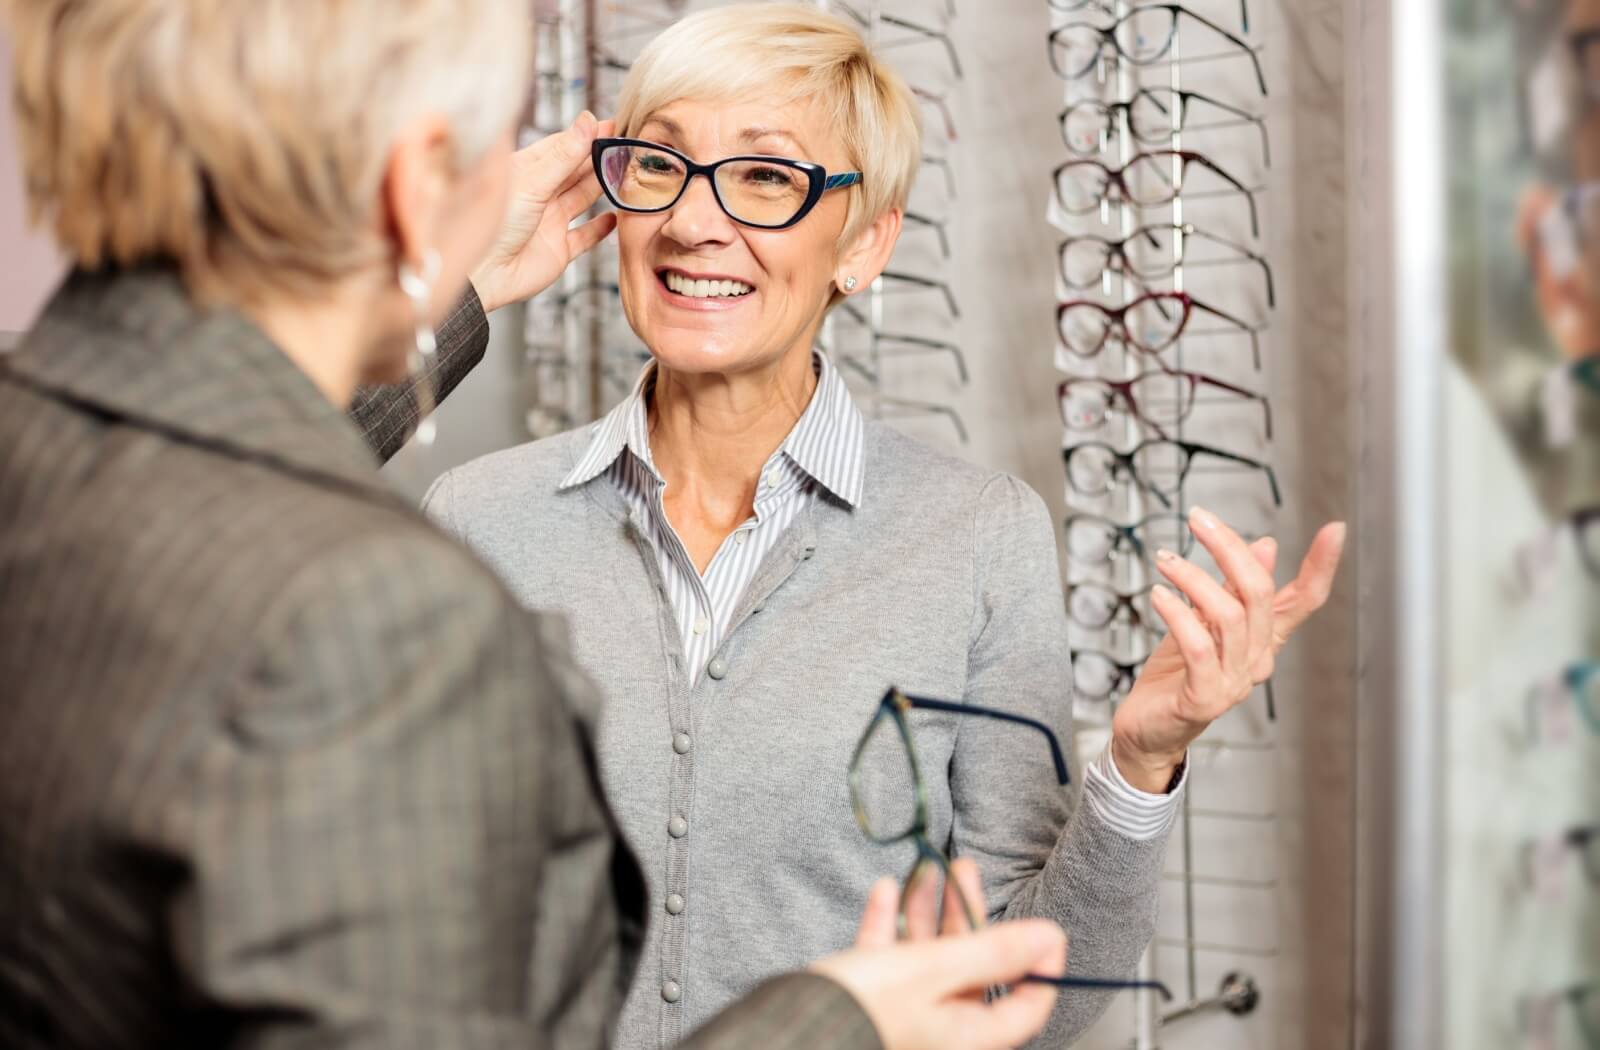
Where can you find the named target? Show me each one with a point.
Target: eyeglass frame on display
(916, 344)
(895, 704)
(940, 227)
(1117, 249)
(1126, 461)
(1126, 535)
(877, 399)
(1116, 323)
(899, 22)
(1124, 389)
(1114, 178)
(1119, 600)
(1129, 673)
(1108, 33)
(1183, 96)
(1105, 7)
(819, 181)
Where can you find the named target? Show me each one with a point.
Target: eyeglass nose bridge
(713, 203)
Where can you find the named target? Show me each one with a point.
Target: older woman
(284, 767)
(746, 563)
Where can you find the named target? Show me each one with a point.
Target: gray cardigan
(943, 581)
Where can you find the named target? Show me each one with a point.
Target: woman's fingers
(922, 903)
(1223, 613)
(1193, 639)
(879, 918)
(581, 239)
(1248, 578)
(556, 159)
(964, 909)
(1310, 589)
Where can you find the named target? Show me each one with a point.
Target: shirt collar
(826, 443)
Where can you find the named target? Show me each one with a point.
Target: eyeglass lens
(758, 192)
(1092, 540)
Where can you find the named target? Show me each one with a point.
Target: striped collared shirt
(822, 452)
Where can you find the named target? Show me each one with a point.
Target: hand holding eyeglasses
(552, 184)
(930, 992)
(1217, 650)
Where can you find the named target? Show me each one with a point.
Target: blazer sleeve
(1042, 851)
(796, 1011)
(372, 828)
(387, 415)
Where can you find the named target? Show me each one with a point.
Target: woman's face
(789, 273)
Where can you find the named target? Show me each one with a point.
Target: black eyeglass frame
(1108, 112)
(1118, 260)
(894, 705)
(1108, 34)
(1125, 463)
(819, 181)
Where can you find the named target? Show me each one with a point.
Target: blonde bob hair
(247, 140)
(751, 50)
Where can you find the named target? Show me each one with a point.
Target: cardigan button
(680, 743)
(671, 992)
(674, 904)
(717, 669)
(677, 827)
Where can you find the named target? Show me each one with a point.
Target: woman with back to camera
(283, 766)
(746, 563)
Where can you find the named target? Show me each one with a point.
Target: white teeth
(705, 289)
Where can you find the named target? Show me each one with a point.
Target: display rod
(1420, 338)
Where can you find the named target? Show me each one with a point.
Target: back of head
(752, 50)
(245, 141)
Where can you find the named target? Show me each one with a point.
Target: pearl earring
(418, 287)
(849, 284)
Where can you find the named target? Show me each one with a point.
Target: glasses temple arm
(1249, 194)
(1003, 716)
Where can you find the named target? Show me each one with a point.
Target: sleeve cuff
(1132, 813)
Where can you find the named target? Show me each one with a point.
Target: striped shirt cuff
(1125, 809)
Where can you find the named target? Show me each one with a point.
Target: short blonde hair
(246, 140)
(750, 50)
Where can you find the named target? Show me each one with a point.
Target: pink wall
(29, 264)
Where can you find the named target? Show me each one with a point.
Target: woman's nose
(697, 218)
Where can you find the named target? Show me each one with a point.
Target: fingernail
(586, 119)
(1159, 591)
(1163, 556)
(1203, 518)
(1341, 530)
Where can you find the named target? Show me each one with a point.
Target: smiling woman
(722, 542)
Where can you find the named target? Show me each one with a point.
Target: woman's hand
(552, 183)
(930, 992)
(1217, 651)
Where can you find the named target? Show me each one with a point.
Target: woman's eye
(656, 164)
(770, 176)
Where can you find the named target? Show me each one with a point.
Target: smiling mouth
(702, 288)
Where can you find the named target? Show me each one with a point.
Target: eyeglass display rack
(580, 355)
(1140, 74)
(911, 312)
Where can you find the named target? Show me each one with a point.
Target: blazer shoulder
(395, 615)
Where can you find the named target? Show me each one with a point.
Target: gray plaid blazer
(280, 765)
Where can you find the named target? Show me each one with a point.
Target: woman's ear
(416, 187)
(866, 256)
